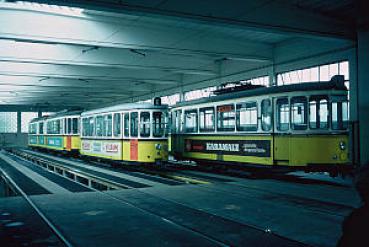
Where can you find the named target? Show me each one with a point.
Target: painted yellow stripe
(189, 180)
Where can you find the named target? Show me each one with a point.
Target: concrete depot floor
(239, 212)
(172, 215)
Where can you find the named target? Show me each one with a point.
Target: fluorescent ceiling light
(52, 9)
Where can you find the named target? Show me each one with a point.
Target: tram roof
(333, 84)
(122, 107)
(57, 114)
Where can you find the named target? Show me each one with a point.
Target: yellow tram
(301, 126)
(59, 131)
(126, 132)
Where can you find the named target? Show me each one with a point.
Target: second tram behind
(128, 132)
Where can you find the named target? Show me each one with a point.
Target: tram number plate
(258, 148)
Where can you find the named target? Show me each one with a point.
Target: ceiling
(94, 53)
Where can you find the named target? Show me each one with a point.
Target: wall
(13, 140)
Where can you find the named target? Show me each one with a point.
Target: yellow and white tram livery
(59, 131)
(127, 132)
(301, 126)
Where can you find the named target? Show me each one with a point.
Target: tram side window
(207, 119)
(318, 112)
(32, 129)
(99, 122)
(266, 115)
(283, 114)
(339, 115)
(126, 125)
(75, 126)
(226, 118)
(134, 124)
(178, 121)
(48, 127)
(40, 129)
(247, 116)
(91, 121)
(116, 125)
(107, 125)
(191, 121)
(145, 124)
(84, 127)
(54, 127)
(298, 113)
(158, 124)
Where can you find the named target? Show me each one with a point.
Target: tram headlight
(158, 146)
(342, 145)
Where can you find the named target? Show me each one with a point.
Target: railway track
(53, 165)
(63, 239)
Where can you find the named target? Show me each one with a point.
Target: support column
(181, 93)
(19, 122)
(363, 94)
(272, 76)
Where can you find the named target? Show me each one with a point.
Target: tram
(299, 127)
(59, 131)
(135, 133)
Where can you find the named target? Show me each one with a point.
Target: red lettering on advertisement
(112, 148)
(86, 146)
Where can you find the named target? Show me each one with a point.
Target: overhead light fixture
(84, 80)
(44, 79)
(90, 49)
(137, 52)
(52, 9)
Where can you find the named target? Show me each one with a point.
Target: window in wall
(247, 116)
(207, 122)
(261, 80)
(117, 125)
(145, 124)
(26, 118)
(8, 122)
(126, 124)
(134, 124)
(47, 113)
(226, 118)
(318, 73)
(200, 93)
(171, 99)
(266, 114)
(283, 114)
(190, 121)
(298, 113)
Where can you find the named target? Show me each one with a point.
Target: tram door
(281, 133)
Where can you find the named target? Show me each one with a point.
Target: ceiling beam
(272, 16)
(110, 66)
